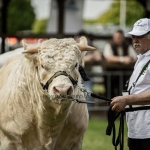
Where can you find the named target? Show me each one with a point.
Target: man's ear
(148, 35)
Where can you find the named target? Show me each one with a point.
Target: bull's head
(58, 55)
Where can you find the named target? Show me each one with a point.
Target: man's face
(141, 43)
(118, 38)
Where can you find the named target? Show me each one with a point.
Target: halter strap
(46, 85)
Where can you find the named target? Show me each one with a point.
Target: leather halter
(46, 85)
(74, 82)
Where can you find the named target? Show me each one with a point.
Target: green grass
(95, 137)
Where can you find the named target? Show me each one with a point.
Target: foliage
(39, 26)
(20, 16)
(113, 14)
(95, 137)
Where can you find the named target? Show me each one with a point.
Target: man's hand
(119, 103)
(127, 60)
(89, 58)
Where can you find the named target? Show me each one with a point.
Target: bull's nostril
(62, 90)
(56, 91)
(69, 91)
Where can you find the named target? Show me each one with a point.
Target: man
(138, 122)
(120, 56)
(119, 50)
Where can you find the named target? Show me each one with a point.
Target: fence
(102, 107)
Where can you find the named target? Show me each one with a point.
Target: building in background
(73, 10)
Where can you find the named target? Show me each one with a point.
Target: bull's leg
(72, 133)
(77, 145)
(6, 144)
(48, 135)
(10, 140)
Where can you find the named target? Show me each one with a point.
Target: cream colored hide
(32, 119)
(4, 57)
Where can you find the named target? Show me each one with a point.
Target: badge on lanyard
(125, 92)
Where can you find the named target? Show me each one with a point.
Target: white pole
(122, 14)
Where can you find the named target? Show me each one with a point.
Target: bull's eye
(42, 66)
(76, 65)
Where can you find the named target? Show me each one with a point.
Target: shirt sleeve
(132, 52)
(107, 50)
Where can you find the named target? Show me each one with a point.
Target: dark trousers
(139, 144)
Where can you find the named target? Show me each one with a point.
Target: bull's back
(4, 57)
(8, 70)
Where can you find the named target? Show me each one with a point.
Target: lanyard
(143, 69)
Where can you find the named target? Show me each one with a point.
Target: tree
(39, 26)
(113, 14)
(20, 16)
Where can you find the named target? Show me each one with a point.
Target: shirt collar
(145, 54)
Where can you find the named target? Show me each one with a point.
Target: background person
(138, 122)
(119, 56)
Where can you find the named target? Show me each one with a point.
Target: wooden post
(4, 23)
(61, 4)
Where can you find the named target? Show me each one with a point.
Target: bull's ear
(32, 49)
(25, 45)
(30, 52)
(29, 48)
(83, 45)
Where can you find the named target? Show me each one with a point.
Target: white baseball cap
(141, 27)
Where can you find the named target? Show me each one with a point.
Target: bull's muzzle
(62, 91)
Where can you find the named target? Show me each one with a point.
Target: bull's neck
(54, 114)
(56, 108)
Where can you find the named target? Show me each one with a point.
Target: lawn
(95, 137)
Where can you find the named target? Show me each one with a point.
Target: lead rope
(92, 95)
(111, 129)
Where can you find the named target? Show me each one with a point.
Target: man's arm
(111, 58)
(120, 102)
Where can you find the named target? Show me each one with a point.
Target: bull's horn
(32, 50)
(83, 45)
(83, 40)
(86, 47)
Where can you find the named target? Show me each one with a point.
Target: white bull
(32, 118)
